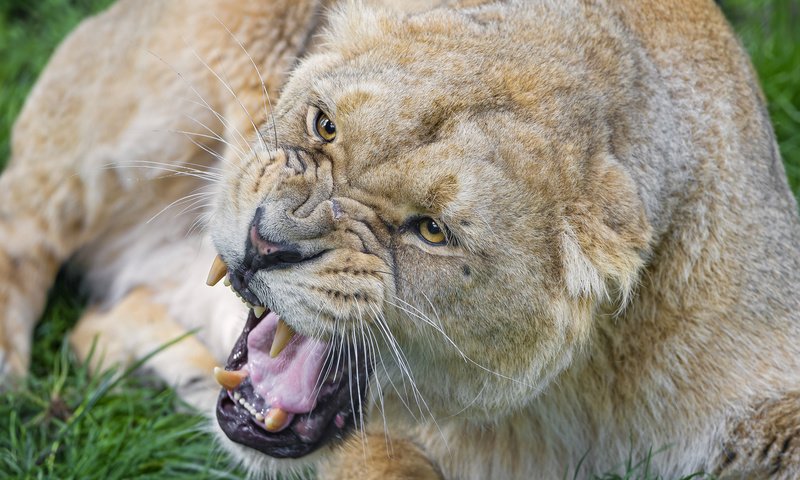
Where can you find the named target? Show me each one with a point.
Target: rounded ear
(605, 239)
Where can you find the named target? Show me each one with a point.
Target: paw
(15, 339)
(13, 366)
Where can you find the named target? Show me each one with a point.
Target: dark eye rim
(417, 222)
(315, 123)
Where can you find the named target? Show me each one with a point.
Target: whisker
(371, 340)
(260, 79)
(177, 170)
(194, 90)
(230, 90)
(240, 154)
(176, 202)
(228, 125)
(374, 316)
(439, 329)
(358, 397)
(214, 137)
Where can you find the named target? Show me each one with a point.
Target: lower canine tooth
(276, 420)
(229, 379)
(283, 334)
(218, 270)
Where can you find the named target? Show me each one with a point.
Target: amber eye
(431, 232)
(324, 127)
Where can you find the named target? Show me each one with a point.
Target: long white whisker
(230, 90)
(266, 100)
(176, 202)
(401, 360)
(400, 396)
(221, 118)
(427, 321)
(463, 355)
(373, 349)
(237, 149)
(214, 137)
(178, 170)
(360, 419)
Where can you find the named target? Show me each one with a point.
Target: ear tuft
(581, 277)
(606, 239)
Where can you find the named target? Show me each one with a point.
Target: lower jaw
(333, 418)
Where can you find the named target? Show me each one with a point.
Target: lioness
(474, 240)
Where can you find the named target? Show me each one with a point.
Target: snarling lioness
(473, 239)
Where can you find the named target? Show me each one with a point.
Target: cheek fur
(441, 279)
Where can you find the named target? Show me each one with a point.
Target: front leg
(374, 457)
(123, 104)
(41, 222)
(137, 326)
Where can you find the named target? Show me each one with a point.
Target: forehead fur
(554, 66)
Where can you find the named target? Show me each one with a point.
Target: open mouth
(285, 394)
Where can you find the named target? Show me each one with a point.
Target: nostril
(266, 254)
(289, 257)
(262, 245)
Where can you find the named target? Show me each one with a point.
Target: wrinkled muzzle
(309, 266)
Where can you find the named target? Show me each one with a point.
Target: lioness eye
(324, 127)
(430, 231)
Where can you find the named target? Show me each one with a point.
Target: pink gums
(288, 381)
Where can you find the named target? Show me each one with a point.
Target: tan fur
(627, 261)
(374, 457)
(140, 324)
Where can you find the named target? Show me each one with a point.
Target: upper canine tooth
(229, 379)
(218, 270)
(283, 333)
(259, 311)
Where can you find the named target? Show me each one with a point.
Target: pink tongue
(288, 381)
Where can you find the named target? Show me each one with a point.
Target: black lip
(307, 432)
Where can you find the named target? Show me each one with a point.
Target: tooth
(276, 419)
(259, 311)
(249, 305)
(259, 417)
(226, 281)
(229, 379)
(218, 270)
(283, 333)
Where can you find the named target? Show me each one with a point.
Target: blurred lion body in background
(685, 316)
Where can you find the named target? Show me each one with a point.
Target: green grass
(65, 424)
(769, 31)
